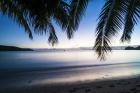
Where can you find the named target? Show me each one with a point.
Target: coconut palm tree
(41, 15)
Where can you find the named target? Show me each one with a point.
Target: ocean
(22, 68)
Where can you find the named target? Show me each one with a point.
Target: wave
(72, 67)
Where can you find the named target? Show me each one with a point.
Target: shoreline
(117, 85)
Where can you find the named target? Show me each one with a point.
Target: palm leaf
(61, 15)
(52, 35)
(110, 21)
(77, 9)
(131, 18)
(13, 10)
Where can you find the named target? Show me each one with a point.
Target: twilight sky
(12, 34)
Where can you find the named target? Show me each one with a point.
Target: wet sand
(125, 85)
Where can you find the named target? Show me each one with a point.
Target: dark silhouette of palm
(41, 14)
(115, 15)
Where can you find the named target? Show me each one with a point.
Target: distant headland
(13, 48)
(132, 48)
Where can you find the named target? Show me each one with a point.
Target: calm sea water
(31, 67)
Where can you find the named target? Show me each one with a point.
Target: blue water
(19, 68)
(32, 59)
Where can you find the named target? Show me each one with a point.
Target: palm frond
(131, 18)
(52, 35)
(61, 15)
(77, 9)
(110, 21)
(13, 10)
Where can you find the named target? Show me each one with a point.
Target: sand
(124, 85)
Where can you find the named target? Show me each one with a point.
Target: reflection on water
(68, 58)
(68, 66)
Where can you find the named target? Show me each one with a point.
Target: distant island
(13, 48)
(132, 48)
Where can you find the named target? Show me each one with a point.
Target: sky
(12, 34)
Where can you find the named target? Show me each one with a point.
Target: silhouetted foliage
(132, 48)
(115, 15)
(42, 14)
(13, 48)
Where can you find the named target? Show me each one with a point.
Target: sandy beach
(125, 85)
